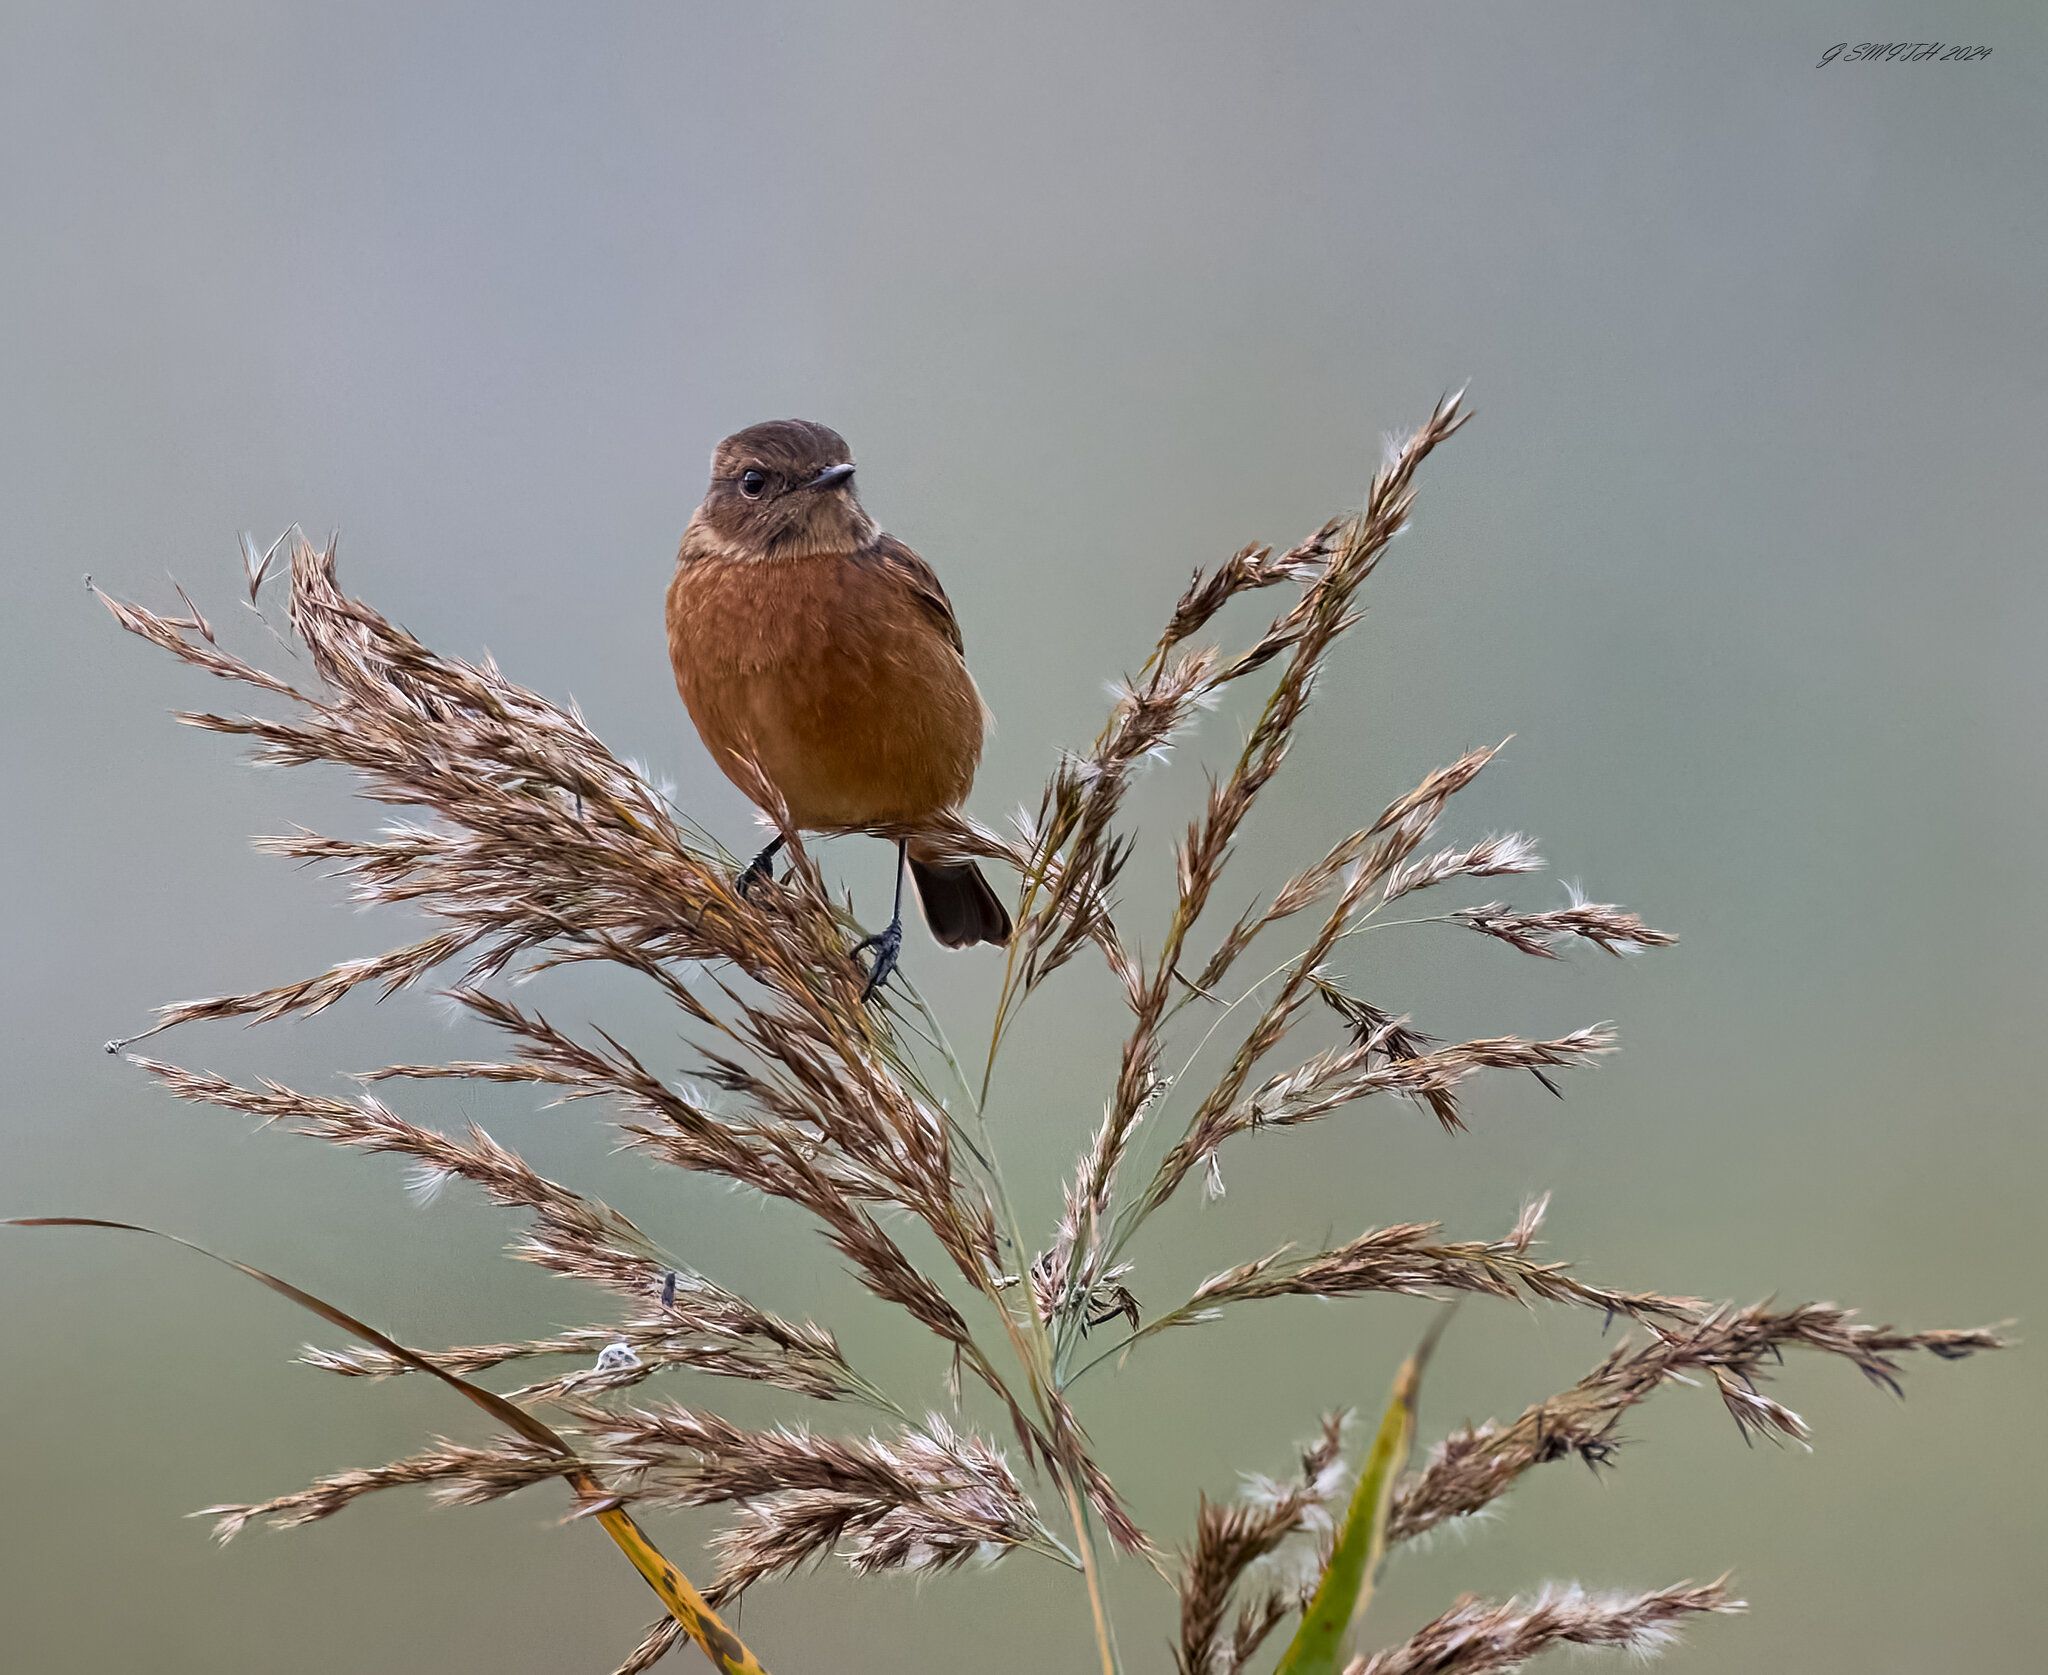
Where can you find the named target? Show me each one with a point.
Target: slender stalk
(1036, 1355)
(1105, 1637)
(1037, 1359)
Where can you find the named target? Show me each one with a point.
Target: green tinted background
(1744, 548)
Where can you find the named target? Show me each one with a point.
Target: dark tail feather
(958, 904)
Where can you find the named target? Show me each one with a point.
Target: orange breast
(833, 677)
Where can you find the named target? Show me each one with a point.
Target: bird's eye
(752, 483)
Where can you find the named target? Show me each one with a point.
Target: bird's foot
(759, 869)
(887, 945)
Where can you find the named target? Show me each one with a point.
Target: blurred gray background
(1744, 548)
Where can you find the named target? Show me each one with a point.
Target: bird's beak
(831, 477)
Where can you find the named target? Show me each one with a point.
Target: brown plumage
(805, 638)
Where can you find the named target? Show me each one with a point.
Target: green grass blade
(1346, 1588)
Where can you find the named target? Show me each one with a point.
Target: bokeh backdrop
(1744, 548)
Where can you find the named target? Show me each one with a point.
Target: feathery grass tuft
(527, 845)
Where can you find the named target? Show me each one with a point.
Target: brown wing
(892, 556)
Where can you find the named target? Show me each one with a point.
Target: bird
(806, 640)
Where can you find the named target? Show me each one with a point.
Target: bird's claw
(758, 871)
(887, 945)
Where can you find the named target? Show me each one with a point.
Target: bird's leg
(890, 943)
(759, 867)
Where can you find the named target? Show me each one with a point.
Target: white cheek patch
(848, 532)
(707, 541)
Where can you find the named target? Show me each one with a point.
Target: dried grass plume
(522, 843)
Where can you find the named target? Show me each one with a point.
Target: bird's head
(782, 490)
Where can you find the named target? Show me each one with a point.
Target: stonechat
(824, 650)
